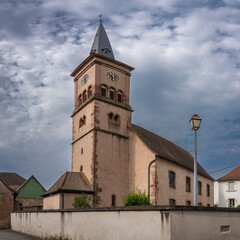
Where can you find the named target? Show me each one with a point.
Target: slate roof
(71, 182)
(101, 44)
(233, 175)
(168, 150)
(12, 180)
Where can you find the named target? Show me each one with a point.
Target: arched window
(80, 100)
(117, 119)
(113, 200)
(82, 121)
(89, 92)
(104, 91)
(110, 115)
(112, 93)
(85, 96)
(119, 96)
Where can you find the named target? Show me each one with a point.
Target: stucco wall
(222, 193)
(164, 224)
(52, 202)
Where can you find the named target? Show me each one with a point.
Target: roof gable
(233, 175)
(168, 150)
(31, 189)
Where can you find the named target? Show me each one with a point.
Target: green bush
(136, 198)
(83, 201)
(238, 206)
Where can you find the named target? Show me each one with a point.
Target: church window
(81, 150)
(171, 179)
(188, 203)
(89, 92)
(117, 119)
(110, 115)
(80, 100)
(199, 189)
(82, 121)
(113, 200)
(172, 202)
(85, 96)
(208, 190)
(119, 97)
(104, 91)
(81, 168)
(112, 93)
(188, 184)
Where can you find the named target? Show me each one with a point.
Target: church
(110, 154)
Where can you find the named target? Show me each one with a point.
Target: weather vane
(100, 16)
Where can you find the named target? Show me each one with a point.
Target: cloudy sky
(186, 56)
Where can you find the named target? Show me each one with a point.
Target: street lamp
(156, 157)
(195, 123)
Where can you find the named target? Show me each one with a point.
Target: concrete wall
(138, 223)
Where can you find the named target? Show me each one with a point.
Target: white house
(227, 189)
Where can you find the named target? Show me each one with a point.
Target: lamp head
(195, 122)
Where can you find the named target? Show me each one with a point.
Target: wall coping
(139, 208)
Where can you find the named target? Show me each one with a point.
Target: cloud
(186, 59)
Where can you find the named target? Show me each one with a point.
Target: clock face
(113, 76)
(84, 79)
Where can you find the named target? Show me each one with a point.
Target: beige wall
(141, 156)
(182, 224)
(179, 192)
(112, 168)
(52, 202)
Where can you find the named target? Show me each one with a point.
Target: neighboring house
(70, 185)
(9, 183)
(227, 189)
(30, 195)
(113, 153)
(17, 193)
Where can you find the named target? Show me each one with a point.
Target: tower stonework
(100, 121)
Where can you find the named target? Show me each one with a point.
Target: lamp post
(156, 157)
(195, 125)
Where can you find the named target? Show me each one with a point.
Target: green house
(31, 188)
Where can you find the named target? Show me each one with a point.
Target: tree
(83, 201)
(136, 198)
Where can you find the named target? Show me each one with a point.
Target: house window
(231, 203)
(119, 97)
(188, 184)
(188, 203)
(172, 202)
(112, 93)
(104, 91)
(89, 92)
(231, 186)
(208, 190)
(113, 200)
(85, 96)
(199, 204)
(199, 188)
(171, 179)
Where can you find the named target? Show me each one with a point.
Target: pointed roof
(233, 175)
(168, 150)
(101, 44)
(12, 180)
(74, 182)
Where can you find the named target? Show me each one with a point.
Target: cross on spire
(100, 18)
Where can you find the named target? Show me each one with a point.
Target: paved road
(8, 234)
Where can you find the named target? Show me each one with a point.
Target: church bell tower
(100, 121)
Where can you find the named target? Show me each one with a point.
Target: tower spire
(101, 44)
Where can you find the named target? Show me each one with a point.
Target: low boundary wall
(136, 223)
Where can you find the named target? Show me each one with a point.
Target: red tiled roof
(12, 180)
(233, 175)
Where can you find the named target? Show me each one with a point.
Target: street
(8, 234)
